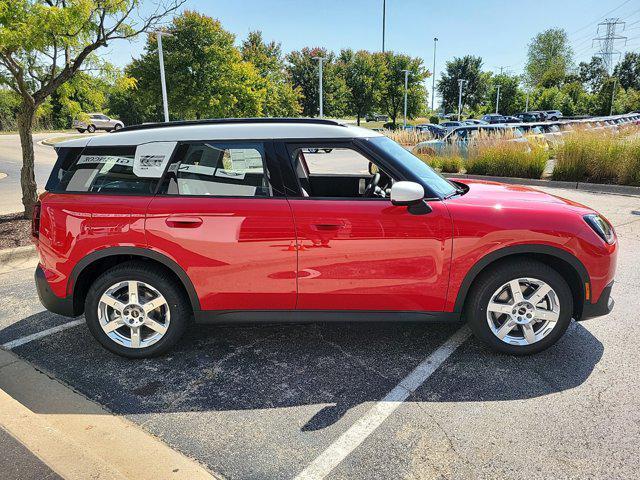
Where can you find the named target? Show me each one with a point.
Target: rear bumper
(603, 306)
(50, 301)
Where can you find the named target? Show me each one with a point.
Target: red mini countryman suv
(152, 226)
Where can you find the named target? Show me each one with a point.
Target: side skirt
(301, 316)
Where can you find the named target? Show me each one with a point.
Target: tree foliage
(365, 75)
(393, 87)
(628, 71)
(549, 58)
(592, 74)
(468, 68)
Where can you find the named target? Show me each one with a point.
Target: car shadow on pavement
(334, 366)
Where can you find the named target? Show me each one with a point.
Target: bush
(508, 159)
(599, 156)
(446, 164)
(434, 119)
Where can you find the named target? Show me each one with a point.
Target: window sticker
(152, 158)
(104, 159)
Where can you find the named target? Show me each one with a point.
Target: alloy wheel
(133, 314)
(523, 311)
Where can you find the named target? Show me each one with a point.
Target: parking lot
(344, 401)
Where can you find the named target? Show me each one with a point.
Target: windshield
(429, 177)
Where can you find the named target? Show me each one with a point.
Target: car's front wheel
(91, 128)
(136, 310)
(81, 130)
(520, 307)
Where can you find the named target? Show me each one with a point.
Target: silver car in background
(97, 121)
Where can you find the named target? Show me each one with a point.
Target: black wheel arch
(568, 265)
(87, 269)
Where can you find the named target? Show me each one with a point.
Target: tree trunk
(26, 119)
(358, 119)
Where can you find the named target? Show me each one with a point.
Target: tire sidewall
(91, 129)
(175, 300)
(476, 310)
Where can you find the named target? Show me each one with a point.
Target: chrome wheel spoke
(155, 326)
(133, 291)
(529, 334)
(113, 325)
(537, 296)
(500, 308)
(516, 291)
(135, 337)
(547, 315)
(506, 327)
(153, 304)
(114, 303)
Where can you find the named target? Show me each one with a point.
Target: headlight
(601, 227)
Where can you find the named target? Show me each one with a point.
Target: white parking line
(367, 424)
(45, 333)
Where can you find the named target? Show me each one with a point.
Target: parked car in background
(527, 117)
(450, 125)
(434, 129)
(553, 115)
(457, 140)
(512, 119)
(97, 121)
(493, 118)
(474, 121)
(376, 117)
(540, 116)
(155, 226)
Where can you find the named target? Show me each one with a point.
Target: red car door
(359, 253)
(371, 255)
(219, 217)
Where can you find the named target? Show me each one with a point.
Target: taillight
(35, 220)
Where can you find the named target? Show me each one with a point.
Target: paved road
(264, 401)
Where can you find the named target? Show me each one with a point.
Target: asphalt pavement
(268, 401)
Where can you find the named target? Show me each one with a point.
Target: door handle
(183, 222)
(326, 227)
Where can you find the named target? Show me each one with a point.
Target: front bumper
(50, 301)
(603, 306)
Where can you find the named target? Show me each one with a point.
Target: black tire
(91, 129)
(158, 278)
(328, 150)
(117, 126)
(475, 311)
(81, 130)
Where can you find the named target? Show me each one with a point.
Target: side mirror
(406, 193)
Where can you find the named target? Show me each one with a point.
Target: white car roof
(252, 129)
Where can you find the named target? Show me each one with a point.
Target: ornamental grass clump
(508, 159)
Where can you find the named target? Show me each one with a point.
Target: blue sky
(498, 31)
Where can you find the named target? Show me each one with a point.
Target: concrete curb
(76, 437)
(588, 187)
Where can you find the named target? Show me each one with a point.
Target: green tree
(281, 99)
(393, 86)
(468, 68)
(512, 98)
(628, 71)
(365, 75)
(205, 73)
(44, 43)
(549, 58)
(592, 74)
(303, 71)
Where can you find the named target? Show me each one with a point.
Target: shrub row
(599, 157)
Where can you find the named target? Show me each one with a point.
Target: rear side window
(219, 169)
(99, 170)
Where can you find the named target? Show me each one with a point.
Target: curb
(588, 187)
(18, 258)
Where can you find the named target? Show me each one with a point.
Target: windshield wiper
(457, 191)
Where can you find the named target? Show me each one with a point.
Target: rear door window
(219, 169)
(108, 170)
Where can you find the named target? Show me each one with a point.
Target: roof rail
(223, 121)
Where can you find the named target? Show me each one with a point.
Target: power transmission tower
(608, 41)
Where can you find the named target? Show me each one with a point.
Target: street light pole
(406, 88)
(165, 103)
(384, 21)
(320, 60)
(613, 95)
(526, 107)
(497, 98)
(460, 85)
(433, 74)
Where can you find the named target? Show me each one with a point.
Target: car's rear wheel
(117, 126)
(136, 310)
(91, 128)
(81, 130)
(520, 307)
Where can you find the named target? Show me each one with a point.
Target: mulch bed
(15, 231)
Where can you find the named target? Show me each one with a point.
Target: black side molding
(53, 303)
(304, 316)
(603, 306)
